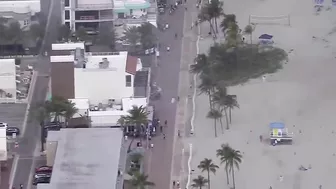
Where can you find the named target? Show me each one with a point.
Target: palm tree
(137, 117)
(140, 181)
(147, 37)
(216, 10)
(132, 36)
(37, 31)
(202, 64)
(249, 30)
(232, 160)
(215, 115)
(107, 36)
(228, 19)
(64, 33)
(206, 16)
(222, 153)
(199, 182)
(69, 110)
(81, 34)
(207, 85)
(208, 166)
(219, 98)
(2, 93)
(231, 103)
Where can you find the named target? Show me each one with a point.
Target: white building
(107, 115)
(8, 83)
(86, 158)
(89, 14)
(103, 86)
(3, 144)
(20, 11)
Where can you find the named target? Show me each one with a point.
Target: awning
(137, 5)
(277, 125)
(121, 10)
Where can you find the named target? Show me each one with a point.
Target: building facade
(89, 14)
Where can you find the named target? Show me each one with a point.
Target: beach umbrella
(277, 125)
(266, 37)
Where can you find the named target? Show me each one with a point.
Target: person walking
(161, 128)
(164, 136)
(174, 183)
(178, 133)
(166, 122)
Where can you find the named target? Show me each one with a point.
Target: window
(121, 15)
(128, 81)
(67, 15)
(67, 24)
(66, 3)
(25, 22)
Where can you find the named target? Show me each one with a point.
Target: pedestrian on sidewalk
(166, 122)
(152, 145)
(178, 133)
(161, 128)
(164, 136)
(261, 138)
(174, 183)
(178, 184)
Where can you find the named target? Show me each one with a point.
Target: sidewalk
(5, 174)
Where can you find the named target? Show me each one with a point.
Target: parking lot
(13, 114)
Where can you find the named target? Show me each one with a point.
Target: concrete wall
(51, 148)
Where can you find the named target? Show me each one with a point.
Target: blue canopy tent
(277, 125)
(266, 39)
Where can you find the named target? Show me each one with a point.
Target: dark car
(43, 169)
(41, 180)
(11, 130)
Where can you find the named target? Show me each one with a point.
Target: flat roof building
(3, 144)
(99, 77)
(86, 158)
(7, 80)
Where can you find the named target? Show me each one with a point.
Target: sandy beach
(301, 95)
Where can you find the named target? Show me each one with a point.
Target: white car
(2, 124)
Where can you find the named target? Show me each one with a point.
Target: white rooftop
(81, 103)
(67, 46)
(96, 2)
(3, 144)
(128, 103)
(20, 6)
(117, 61)
(86, 158)
(64, 58)
(7, 75)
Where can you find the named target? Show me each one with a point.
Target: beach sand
(301, 95)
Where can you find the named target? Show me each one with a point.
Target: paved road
(30, 140)
(173, 77)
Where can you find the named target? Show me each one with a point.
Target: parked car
(40, 175)
(3, 124)
(43, 169)
(41, 180)
(11, 130)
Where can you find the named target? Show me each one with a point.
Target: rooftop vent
(104, 64)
